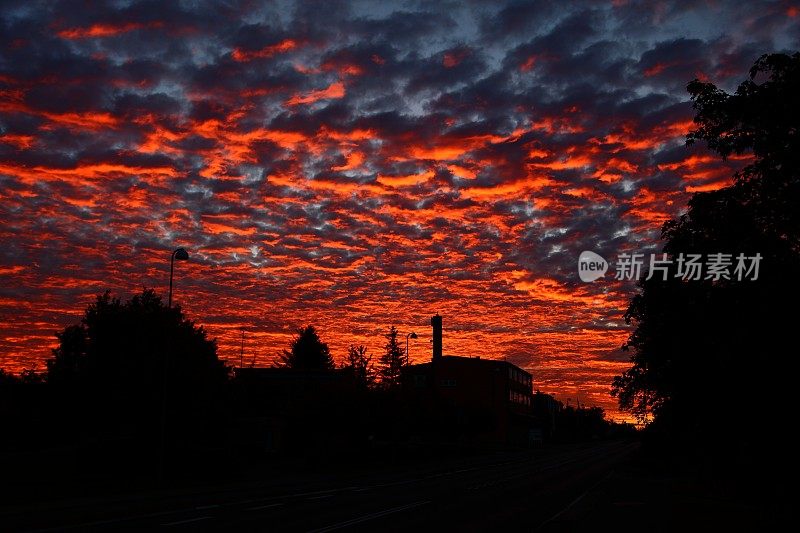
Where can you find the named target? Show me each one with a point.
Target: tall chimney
(436, 323)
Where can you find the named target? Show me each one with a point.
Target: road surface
(515, 491)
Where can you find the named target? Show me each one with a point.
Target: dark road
(521, 491)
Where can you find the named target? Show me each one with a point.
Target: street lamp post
(411, 335)
(181, 255)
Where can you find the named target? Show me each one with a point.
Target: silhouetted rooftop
(460, 359)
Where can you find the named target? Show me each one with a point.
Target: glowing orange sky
(353, 176)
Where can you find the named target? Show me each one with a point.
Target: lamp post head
(412, 335)
(181, 254)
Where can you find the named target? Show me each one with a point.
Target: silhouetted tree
(7, 378)
(70, 359)
(391, 362)
(307, 352)
(707, 353)
(120, 355)
(28, 375)
(359, 364)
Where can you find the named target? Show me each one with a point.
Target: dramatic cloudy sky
(357, 164)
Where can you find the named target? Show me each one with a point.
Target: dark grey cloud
(332, 159)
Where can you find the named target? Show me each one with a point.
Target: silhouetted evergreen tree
(359, 364)
(307, 352)
(391, 362)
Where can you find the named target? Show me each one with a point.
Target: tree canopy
(392, 360)
(121, 354)
(307, 352)
(707, 353)
(359, 364)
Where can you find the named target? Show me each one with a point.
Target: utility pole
(241, 353)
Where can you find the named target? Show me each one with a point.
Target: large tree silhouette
(307, 352)
(709, 355)
(391, 361)
(359, 365)
(121, 358)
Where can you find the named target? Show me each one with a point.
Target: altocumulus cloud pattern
(357, 164)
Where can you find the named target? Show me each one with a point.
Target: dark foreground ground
(589, 487)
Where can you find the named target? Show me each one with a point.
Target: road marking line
(575, 501)
(179, 522)
(315, 492)
(263, 507)
(369, 517)
(211, 506)
(320, 497)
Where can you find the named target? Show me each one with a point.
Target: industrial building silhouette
(476, 399)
